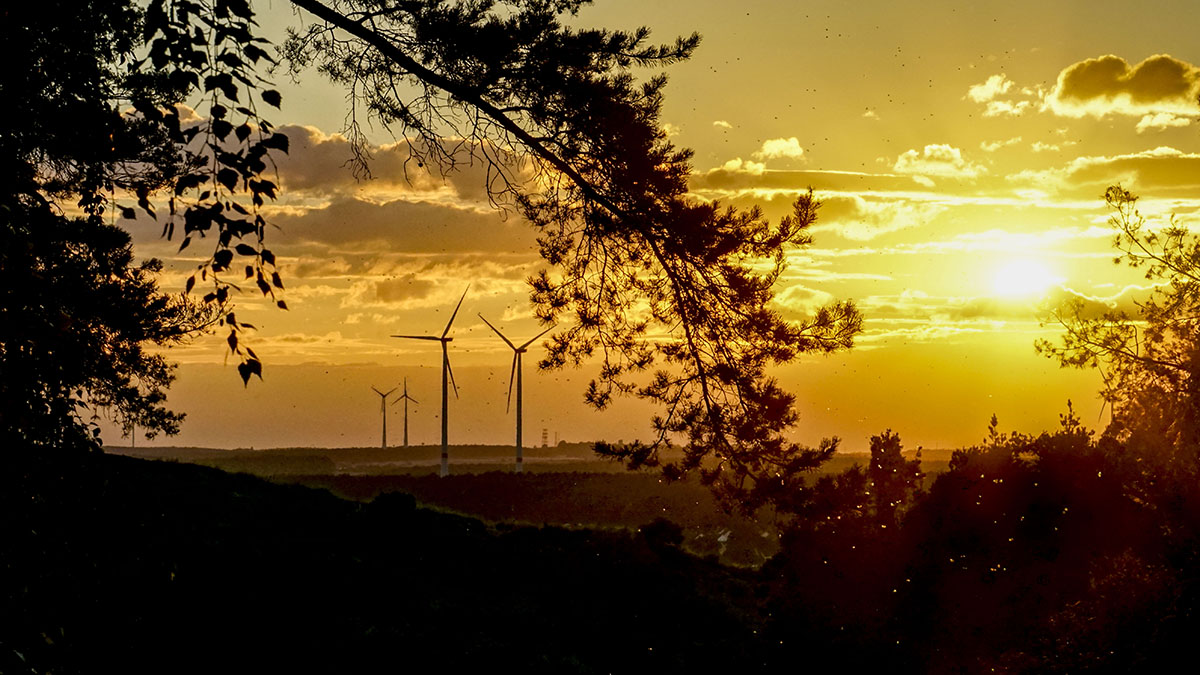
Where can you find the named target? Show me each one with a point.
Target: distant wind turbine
(383, 411)
(406, 398)
(516, 369)
(445, 470)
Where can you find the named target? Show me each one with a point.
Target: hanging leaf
(228, 177)
(277, 141)
(221, 128)
(221, 260)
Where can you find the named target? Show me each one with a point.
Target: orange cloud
(318, 164)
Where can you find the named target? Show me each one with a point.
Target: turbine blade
(497, 331)
(538, 336)
(451, 321)
(452, 382)
(418, 337)
(389, 392)
(377, 391)
(511, 379)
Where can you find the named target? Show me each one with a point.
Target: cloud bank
(1111, 85)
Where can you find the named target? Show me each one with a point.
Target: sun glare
(1023, 278)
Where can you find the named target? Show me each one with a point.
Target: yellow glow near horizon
(1023, 278)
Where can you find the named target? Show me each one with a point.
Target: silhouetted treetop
(574, 142)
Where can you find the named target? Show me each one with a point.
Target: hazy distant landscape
(565, 485)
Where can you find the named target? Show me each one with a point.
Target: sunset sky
(960, 151)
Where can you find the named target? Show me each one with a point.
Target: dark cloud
(319, 163)
(355, 225)
(1159, 172)
(1160, 168)
(404, 288)
(314, 265)
(1109, 84)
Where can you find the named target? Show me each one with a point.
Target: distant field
(566, 485)
(424, 459)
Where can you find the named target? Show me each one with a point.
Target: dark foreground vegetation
(1056, 553)
(121, 565)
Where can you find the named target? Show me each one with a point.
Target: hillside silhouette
(122, 565)
(1028, 554)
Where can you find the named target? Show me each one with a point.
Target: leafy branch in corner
(210, 48)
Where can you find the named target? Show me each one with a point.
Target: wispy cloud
(937, 160)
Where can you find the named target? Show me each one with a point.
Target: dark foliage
(89, 127)
(76, 316)
(122, 565)
(1030, 554)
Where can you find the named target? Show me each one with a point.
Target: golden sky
(960, 150)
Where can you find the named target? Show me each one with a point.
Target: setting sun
(1023, 278)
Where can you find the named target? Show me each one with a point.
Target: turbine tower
(445, 470)
(406, 398)
(383, 411)
(516, 369)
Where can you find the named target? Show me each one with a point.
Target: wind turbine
(445, 470)
(406, 398)
(383, 411)
(516, 368)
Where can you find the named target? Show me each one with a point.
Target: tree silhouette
(92, 126)
(895, 482)
(77, 314)
(1149, 361)
(574, 143)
